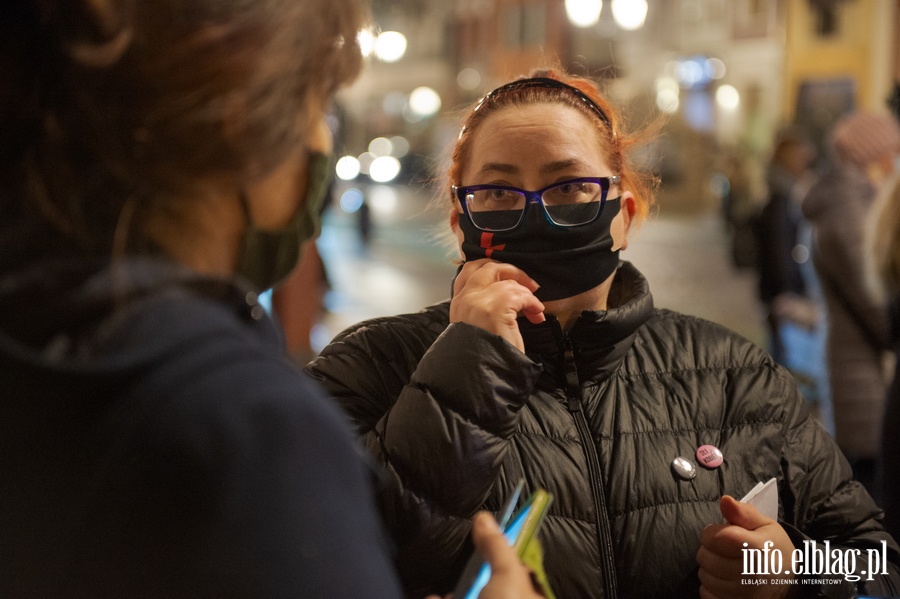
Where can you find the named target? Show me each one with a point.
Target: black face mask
(565, 261)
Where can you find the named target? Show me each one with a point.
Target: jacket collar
(599, 339)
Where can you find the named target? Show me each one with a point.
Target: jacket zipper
(604, 534)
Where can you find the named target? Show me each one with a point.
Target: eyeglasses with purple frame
(559, 214)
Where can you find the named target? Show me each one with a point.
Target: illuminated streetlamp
(347, 168)
(390, 46)
(629, 14)
(366, 40)
(584, 13)
(424, 102)
(727, 97)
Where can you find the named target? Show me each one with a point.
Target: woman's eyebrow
(512, 169)
(498, 167)
(560, 165)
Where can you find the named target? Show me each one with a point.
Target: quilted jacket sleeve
(437, 412)
(820, 499)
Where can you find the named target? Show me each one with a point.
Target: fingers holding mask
(490, 295)
(485, 271)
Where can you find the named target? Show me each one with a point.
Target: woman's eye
(572, 193)
(502, 196)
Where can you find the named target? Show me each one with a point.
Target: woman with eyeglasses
(551, 364)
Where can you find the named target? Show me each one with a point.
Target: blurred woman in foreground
(161, 163)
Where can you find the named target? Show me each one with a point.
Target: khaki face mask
(266, 257)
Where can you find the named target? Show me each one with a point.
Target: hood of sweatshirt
(65, 317)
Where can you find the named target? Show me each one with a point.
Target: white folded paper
(764, 497)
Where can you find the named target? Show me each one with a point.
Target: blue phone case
(477, 572)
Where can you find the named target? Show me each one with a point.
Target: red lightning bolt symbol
(486, 241)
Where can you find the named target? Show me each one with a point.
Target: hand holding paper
(764, 497)
(747, 527)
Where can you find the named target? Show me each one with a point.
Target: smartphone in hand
(518, 529)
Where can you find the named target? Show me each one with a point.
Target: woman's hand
(510, 579)
(721, 558)
(491, 294)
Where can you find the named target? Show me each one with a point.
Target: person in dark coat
(883, 262)
(865, 145)
(778, 234)
(551, 363)
(160, 164)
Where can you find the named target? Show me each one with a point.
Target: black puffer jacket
(457, 415)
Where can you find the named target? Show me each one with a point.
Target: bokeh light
(351, 200)
(584, 13)
(365, 161)
(629, 14)
(366, 40)
(667, 100)
(384, 169)
(400, 145)
(424, 101)
(727, 97)
(381, 146)
(347, 168)
(390, 46)
(383, 199)
(468, 79)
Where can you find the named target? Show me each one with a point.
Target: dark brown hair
(617, 142)
(108, 103)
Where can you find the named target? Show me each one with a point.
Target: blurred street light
(716, 68)
(629, 14)
(468, 79)
(727, 97)
(384, 169)
(381, 146)
(584, 13)
(366, 40)
(393, 103)
(351, 200)
(400, 146)
(667, 93)
(390, 46)
(383, 199)
(347, 168)
(424, 102)
(667, 101)
(365, 161)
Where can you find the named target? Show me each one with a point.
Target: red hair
(616, 143)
